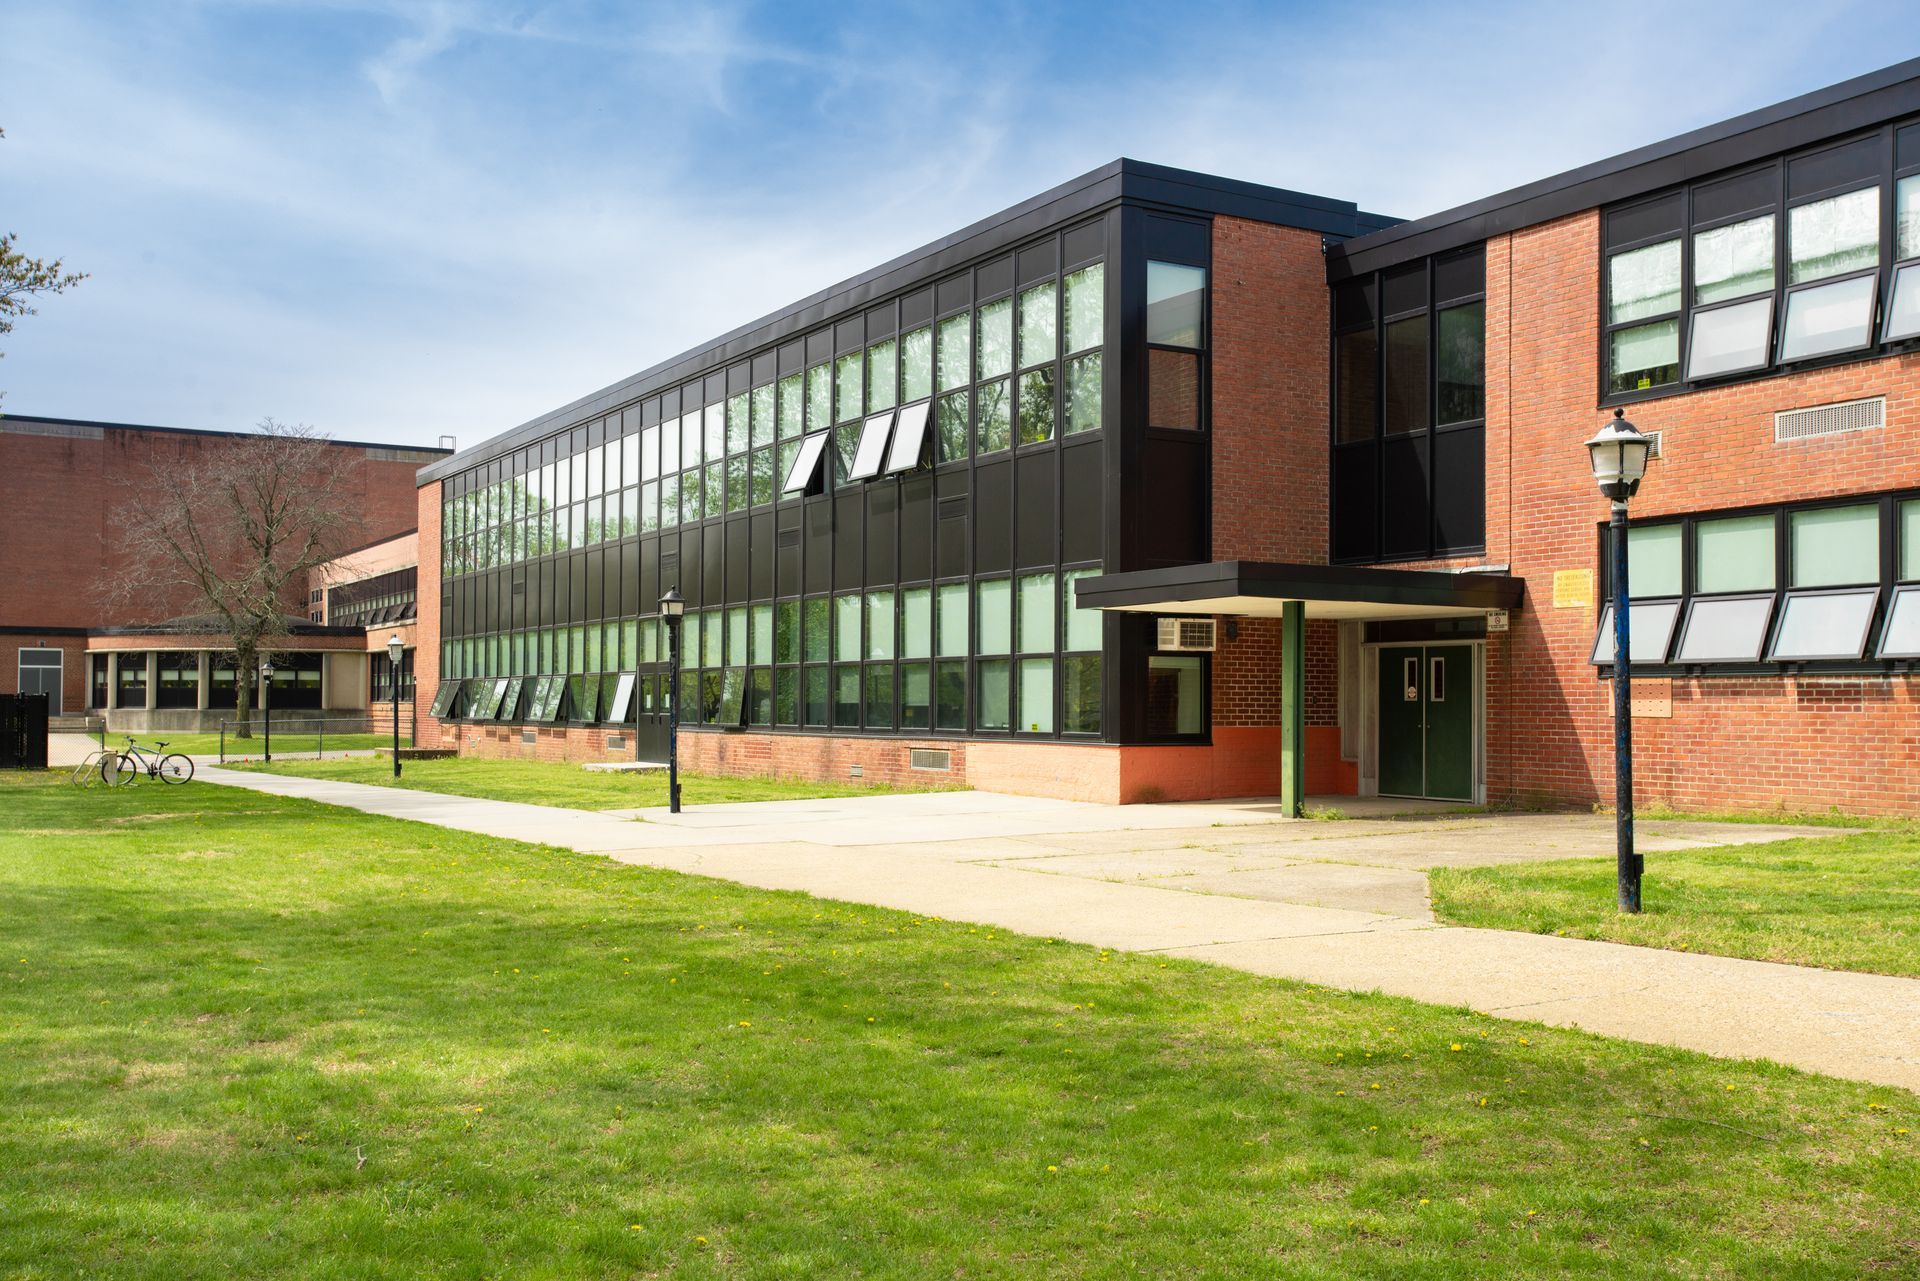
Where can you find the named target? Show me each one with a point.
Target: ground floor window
(296, 682)
(1176, 696)
(130, 689)
(97, 680)
(177, 680)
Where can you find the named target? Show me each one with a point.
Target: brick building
(61, 481)
(1166, 485)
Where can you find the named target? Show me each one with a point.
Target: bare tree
(23, 279)
(232, 534)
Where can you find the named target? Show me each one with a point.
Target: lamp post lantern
(266, 705)
(673, 608)
(1618, 453)
(396, 650)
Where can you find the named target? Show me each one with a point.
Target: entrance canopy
(1260, 589)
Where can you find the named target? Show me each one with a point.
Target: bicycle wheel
(176, 769)
(118, 769)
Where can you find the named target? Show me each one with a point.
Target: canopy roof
(1259, 589)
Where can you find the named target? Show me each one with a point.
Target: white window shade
(1730, 340)
(1726, 629)
(909, 437)
(1650, 626)
(873, 447)
(1901, 639)
(1829, 319)
(1824, 625)
(806, 464)
(1903, 308)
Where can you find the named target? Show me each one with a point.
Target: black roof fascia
(1860, 103)
(1118, 181)
(208, 431)
(1220, 579)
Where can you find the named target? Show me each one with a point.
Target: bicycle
(126, 766)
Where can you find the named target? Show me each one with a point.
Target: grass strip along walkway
(553, 783)
(241, 1035)
(1846, 903)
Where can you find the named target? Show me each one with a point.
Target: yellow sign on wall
(1572, 588)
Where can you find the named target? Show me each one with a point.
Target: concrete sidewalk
(974, 857)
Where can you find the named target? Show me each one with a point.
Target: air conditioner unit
(1186, 635)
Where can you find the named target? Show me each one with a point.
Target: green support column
(1293, 708)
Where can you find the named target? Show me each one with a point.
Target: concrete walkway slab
(987, 860)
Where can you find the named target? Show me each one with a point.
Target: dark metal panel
(1172, 525)
(692, 585)
(1036, 526)
(713, 563)
(1459, 489)
(953, 510)
(819, 545)
(760, 556)
(883, 532)
(594, 569)
(1082, 501)
(1406, 526)
(916, 527)
(848, 540)
(738, 539)
(992, 517)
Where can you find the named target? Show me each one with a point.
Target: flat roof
(1859, 103)
(1116, 181)
(13, 420)
(1259, 589)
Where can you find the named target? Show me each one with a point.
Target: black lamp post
(266, 704)
(396, 650)
(1619, 456)
(673, 608)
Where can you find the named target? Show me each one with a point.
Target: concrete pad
(1361, 889)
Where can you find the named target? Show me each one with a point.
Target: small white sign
(1496, 620)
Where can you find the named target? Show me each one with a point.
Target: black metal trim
(1832, 112)
(1278, 581)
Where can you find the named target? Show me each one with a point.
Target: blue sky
(396, 220)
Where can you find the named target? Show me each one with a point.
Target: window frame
(1780, 203)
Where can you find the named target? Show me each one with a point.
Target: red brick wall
(1798, 742)
(57, 496)
(73, 673)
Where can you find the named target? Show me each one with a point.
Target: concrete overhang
(1259, 589)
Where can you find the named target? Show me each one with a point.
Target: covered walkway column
(1293, 708)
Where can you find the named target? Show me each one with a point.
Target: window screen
(1833, 546)
(1730, 340)
(1650, 624)
(1901, 639)
(1730, 629)
(1733, 555)
(1832, 318)
(1824, 625)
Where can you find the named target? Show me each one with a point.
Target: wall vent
(1186, 635)
(933, 758)
(529, 736)
(1830, 420)
(1659, 444)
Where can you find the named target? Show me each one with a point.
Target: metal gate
(23, 731)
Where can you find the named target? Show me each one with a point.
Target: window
(1728, 629)
(1036, 406)
(1085, 308)
(1036, 695)
(916, 622)
(791, 413)
(1175, 694)
(956, 351)
(909, 437)
(1643, 285)
(1462, 360)
(1733, 555)
(1734, 261)
(1901, 638)
(1083, 391)
(443, 700)
(1405, 396)
(176, 680)
(1039, 334)
(993, 701)
(1080, 694)
(951, 426)
(1834, 546)
(1650, 630)
(806, 465)
(994, 628)
(951, 621)
(995, 426)
(882, 375)
(1036, 614)
(1173, 389)
(1653, 560)
(872, 450)
(1176, 304)
(916, 365)
(993, 357)
(1829, 319)
(880, 625)
(846, 628)
(1824, 625)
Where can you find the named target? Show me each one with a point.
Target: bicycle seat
(159, 742)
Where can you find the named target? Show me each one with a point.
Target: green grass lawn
(556, 783)
(210, 745)
(247, 1036)
(1848, 903)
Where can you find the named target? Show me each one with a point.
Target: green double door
(1426, 721)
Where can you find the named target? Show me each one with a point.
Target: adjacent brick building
(1165, 485)
(61, 483)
